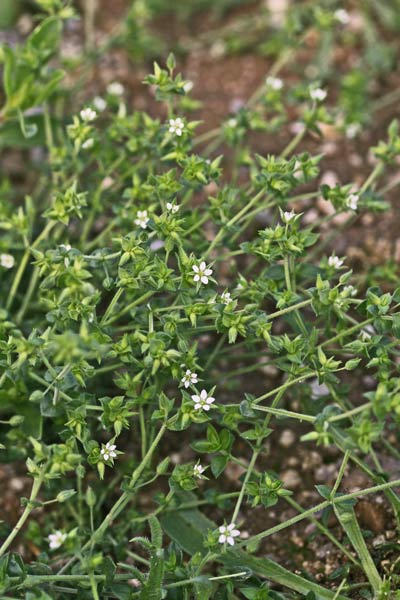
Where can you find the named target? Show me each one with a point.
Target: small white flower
(288, 216)
(342, 16)
(202, 402)
(108, 451)
(274, 83)
(198, 470)
(7, 261)
(202, 272)
(88, 144)
(107, 183)
(318, 390)
(298, 170)
(226, 297)
(56, 539)
(352, 130)
(367, 333)
(232, 122)
(176, 126)
(99, 103)
(115, 88)
(88, 114)
(172, 208)
(349, 290)
(157, 245)
(297, 127)
(189, 378)
(188, 86)
(318, 94)
(66, 248)
(142, 219)
(335, 261)
(352, 201)
(228, 532)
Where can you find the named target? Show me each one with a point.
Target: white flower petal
(222, 539)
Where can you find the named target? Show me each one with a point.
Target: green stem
(280, 412)
(143, 435)
(214, 353)
(122, 500)
(377, 171)
(93, 586)
(232, 221)
(324, 530)
(284, 386)
(110, 307)
(339, 478)
(319, 507)
(37, 484)
(287, 273)
(249, 471)
(28, 296)
(24, 262)
(128, 308)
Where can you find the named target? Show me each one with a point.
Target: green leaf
(188, 528)
(347, 519)
(352, 364)
(218, 464)
(237, 560)
(12, 136)
(33, 422)
(324, 491)
(171, 62)
(45, 38)
(28, 129)
(156, 532)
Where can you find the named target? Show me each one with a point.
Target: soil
(223, 83)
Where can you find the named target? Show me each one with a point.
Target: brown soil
(223, 84)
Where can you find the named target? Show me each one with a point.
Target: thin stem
(214, 353)
(110, 307)
(128, 308)
(143, 434)
(289, 383)
(37, 484)
(287, 273)
(28, 296)
(24, 262)
(232, 221)
(249, 471)
(319, 507)
(339, 478)
(280, 412)
(122, 500)
(324, 530)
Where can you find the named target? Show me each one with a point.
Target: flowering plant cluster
(139, 281)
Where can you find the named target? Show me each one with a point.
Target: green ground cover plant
(147, 270)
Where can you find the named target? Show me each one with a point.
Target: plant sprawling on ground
(142, 276)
